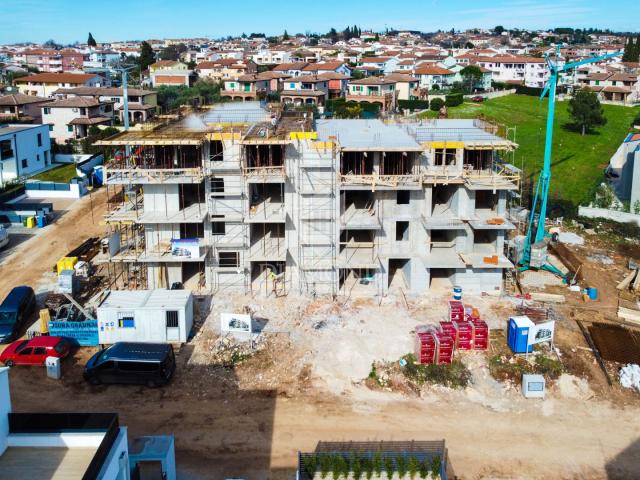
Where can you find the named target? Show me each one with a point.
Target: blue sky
(69, 20)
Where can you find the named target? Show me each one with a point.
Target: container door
(173, 328)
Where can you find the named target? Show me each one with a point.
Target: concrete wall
(615, 215)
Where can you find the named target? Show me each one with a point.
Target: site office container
(156, 316)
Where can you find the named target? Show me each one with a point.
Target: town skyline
(37, 21)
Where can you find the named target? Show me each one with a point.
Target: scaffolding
(316, 222)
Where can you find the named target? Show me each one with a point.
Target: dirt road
(225, 429)
(39, 253)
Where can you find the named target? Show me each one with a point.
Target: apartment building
(379, 91)
(529, 71)
(246, 199)
(44, 84)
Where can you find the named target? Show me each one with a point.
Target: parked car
(16, 308)
(35, 351)
(478, 99)
(4, 237)
(150, 364)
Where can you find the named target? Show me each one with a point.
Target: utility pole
(124, 71)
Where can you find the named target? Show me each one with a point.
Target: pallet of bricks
(464, 330)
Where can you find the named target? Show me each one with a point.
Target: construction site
(239, 198)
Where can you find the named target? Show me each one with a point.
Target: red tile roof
(75, 78)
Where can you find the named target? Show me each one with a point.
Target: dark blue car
(16, 308)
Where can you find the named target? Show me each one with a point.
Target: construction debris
(570, 238)
(630, 376)
(547, 297)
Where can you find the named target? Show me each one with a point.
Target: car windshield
(22, 345)
(60, 346)
(7, 318)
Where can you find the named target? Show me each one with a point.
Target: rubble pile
(630, 376)
(228, 350)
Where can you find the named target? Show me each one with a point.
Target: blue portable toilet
(518, 334)
(41, 221)
(98, 175)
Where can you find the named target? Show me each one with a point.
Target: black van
(150, 364)
(14, 311)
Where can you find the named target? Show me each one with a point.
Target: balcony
(141, 175)
(380, 182)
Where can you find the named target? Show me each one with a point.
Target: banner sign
(542, 332)
(84, 333)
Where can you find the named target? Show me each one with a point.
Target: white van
(4, 236)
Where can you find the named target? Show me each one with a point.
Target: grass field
(577, 162)
(62, 174)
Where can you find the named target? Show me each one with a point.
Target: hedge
(453, 99)
(531, 91)
(413, 104)
(436, 104)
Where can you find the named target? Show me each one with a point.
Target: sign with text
(235, 322)
(84, 333)
(542, 332)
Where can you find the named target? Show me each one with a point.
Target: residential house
(21, 107)
(303, 55)
(72, 60)
(619, 87)
(44, 84)
(45, 60)
(143, 104)
(276, 80)
(529, 71)
(327, 67)
(25, 150)
(271, 56)
(376, 90)
(384, 64)
(294, 69)
(225, 68)
(71, 118)
(74, 445)
(307, 89)
(338, 83)
(171, 73)
(407, 86)
(433, 77)
(246, 87)
(102, 59)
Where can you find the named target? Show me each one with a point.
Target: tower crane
(534, 252)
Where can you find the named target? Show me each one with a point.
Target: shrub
(401, 465)
(531, 91)
(377, 463)
(454, 375)
(413, 466)
(388, 466)
(436, 464)
(436, 104)
(454, 99)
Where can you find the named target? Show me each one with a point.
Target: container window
(126, 320)
(172, 319)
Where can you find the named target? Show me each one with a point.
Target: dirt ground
(37, 254)
(305, 383)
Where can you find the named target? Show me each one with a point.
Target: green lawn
(62, 174)
(577, 161)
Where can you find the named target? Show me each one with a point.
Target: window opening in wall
(229, 259)
(402, 231)
(403, 197)
(444, 156)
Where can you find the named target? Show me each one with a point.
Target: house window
(6, 149)
(402, 231)
(217, 228)
(39, 139)
(69, 128)
(37, 157)
(51, 128)
(126, 320)
(46, 110)
(172, 318)
(229, 259)
(24, 163)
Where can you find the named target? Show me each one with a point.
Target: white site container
(156, 316)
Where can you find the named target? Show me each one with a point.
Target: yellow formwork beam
(443, 144)
(303, 135)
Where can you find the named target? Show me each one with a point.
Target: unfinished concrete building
(242, 199)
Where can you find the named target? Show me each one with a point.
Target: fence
(615, 215)
(36, 189)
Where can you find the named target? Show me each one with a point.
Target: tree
(628, 50)
(172, 52)
(285, 37)
(498, 30)
(586, 110)
(147, 57)
(91, 41)
(471, 75)
(333, 35)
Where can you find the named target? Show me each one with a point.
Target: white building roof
(366, 135)
(151, 299)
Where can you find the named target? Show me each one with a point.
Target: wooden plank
(547, 297)
(624, 284)
(636, 283)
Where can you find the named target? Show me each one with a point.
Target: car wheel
(9, 363)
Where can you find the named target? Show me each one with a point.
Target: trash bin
(53, 368)
(41, 221)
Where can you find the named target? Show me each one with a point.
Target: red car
(34, 351)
